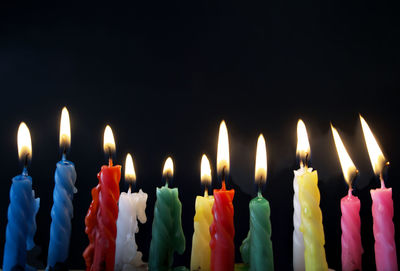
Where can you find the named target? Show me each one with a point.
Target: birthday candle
(350, 205)
(311, 216)
(256, 249)
(102, 215)
(132, 207)
(222, 229)
(21, 226)
(382, 207)
(62, 211)
(298, 241)
(201, 252)
(167, 233)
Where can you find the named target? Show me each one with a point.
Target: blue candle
(63, 193)
(21, 226)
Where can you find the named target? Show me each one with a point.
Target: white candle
(132, 207)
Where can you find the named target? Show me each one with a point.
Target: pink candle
(382, 212)
(351, 237)
(350, 205)
(382, 207)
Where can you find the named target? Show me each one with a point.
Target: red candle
(102, 215)
(222, 229)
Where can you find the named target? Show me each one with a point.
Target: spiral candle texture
(382, 212)
(201, 253)
(222, 231)
(101, 220)
(256, 249)
(167, 233)
(61, 213)
(311, 222)
(21, 226)
(132, 206)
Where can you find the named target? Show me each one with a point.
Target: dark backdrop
(163, 74)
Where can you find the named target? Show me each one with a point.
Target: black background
(164, 74)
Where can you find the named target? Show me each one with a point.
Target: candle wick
(166, 180)
(205, 191)
(110, 162)
(382, 181)
(223, 178)
(223, 185)
(350, 192)
(259, 183)
(25, 171)
(64, 153)
(130, 188)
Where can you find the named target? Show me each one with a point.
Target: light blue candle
(21, 226)
(61, 213)
(63, 194)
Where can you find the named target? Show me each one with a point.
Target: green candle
(167, 233)
(256, 249)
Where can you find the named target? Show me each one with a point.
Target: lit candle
(222, 229)
(132, 206)
(256, 249)
(167, 233)
(201, 252)
(102, 215)
(303, 148)
(21, 226)
(382, 207)
(311, 216)
(62, 211)
(350, 205)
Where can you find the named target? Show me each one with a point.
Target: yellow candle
(311, 216)
(201, 252)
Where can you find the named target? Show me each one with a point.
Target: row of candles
(112, 219)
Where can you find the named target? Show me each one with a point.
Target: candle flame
(130, 175)
(376, 156)
(205, 170)
(223, 150)
(303, 146)
(348, 168)
(24, 142)
(261, 161)
(65, 130)
(109, 142)
(168, 170)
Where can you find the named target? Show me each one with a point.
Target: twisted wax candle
(21, 226)
(256, 249)
(222, 231)
(311, 222)
(61, 212)
(382, 213)
(167, 233)
(101, 220)
(201, 253)
(132, 206)
(351, 238)
(298, 241)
